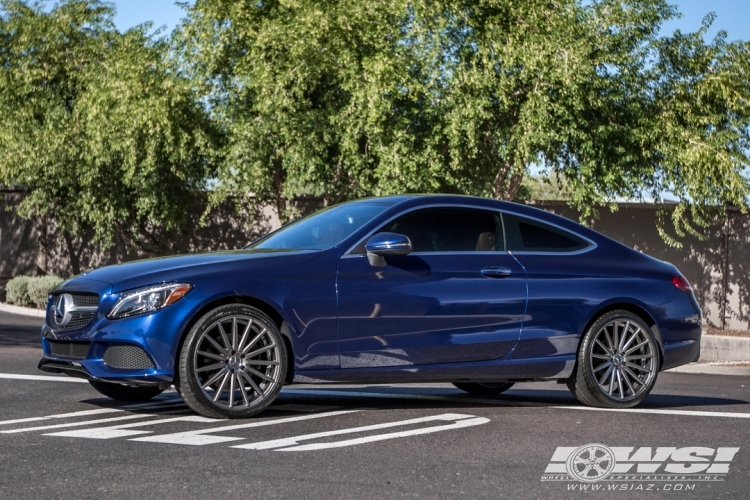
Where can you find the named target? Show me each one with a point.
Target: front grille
(78, 319)
(127, 356)
(76, 350)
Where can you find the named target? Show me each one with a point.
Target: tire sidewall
(187, 360)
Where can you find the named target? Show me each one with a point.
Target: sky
(732, 15)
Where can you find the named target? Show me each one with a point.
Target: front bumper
(156, 334)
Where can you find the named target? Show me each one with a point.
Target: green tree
(98, 125)
(349, 98)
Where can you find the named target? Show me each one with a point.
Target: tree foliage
(98, 125)
(349, 98)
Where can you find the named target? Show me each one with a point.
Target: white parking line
(203, 437)
(61, 415)
(75, 424)
(45, 378)
(387, 395)
(118, 431)
(688, 413)
(461, 421)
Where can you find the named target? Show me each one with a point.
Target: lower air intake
(127, 356)
(75, 350)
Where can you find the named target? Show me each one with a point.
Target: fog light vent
(127, 356)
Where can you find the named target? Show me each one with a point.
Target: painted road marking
(118, 431)
(61, 415)
(302, 408)
(386, 395)
(204, 437)
(287, 444)
(688, 413)
(75, 424)
(18, 376)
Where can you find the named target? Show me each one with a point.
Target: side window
(446, 229)
(528, 235)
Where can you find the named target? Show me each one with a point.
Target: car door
(457, 297)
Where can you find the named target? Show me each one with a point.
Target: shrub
(39, 289)
(17, 291)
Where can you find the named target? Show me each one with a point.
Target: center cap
(617, 359)
(234, 362)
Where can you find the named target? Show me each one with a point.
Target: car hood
(121, 277)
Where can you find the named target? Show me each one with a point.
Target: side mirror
(382, 244)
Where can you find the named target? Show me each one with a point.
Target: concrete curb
(709, 369)
(23, 311)
(721, 349)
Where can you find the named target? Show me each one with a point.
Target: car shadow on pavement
(395, 398)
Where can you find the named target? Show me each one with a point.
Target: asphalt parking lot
(59, 438)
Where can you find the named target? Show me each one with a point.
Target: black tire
(585, 383)
(195, 372)
(484, 389)
(122, 392)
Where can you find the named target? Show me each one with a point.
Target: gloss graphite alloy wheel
(233, 363)
(617, 363)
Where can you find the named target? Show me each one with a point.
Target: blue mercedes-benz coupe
(472, 291)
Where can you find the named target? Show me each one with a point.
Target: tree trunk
(507, 182)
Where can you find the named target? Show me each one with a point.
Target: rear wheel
(617, 362)
(232, 363)
(484, 389)
(122, 392)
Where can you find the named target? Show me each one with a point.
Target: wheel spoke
(208, 368)
(260, 351)
(632, 375)
(606, 349)
(234, 333)
(259, 374)
(261, 362)
(212, 380)
(633, 349)
(245, 333)
(626, 377)
(606, 375)
(231, 390)
(631, 339)
(252, 383)
(612, 379)
(635, 358)
(221, 386)
(608, 338)
(242, 388)
(224, 337)
(254, 341)
(624, 335)
(217, 357)
(616, 340)
(216, 344)
(600, 356)
(637, 367)
(603, 366)
(619, 385)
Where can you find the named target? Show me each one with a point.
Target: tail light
(682, 284)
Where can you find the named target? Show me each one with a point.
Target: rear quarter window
(529, 235)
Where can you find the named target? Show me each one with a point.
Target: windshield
(324, 229)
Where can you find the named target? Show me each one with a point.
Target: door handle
(496, 272)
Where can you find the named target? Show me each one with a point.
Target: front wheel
(617, 362)
(122, 392)
(484, 389)
(232, 363)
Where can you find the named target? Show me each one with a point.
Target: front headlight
(148, 299)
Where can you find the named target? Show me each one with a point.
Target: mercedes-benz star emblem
(63, 309)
